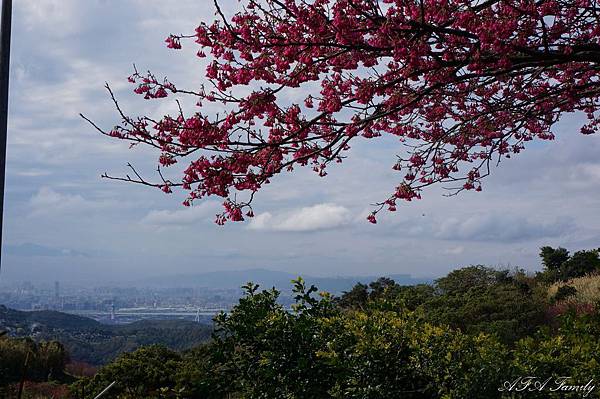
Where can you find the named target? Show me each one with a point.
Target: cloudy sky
(63, 222)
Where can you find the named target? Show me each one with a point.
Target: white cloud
(500, 228)
(50, 202)
(33, 173)
(32, 249)
(261, 221)
(455, 250)
(59, 18)
(317, 217)
(181, 217)
(590, 172)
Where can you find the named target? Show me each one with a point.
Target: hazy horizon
(62, 222)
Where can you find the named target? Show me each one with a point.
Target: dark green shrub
(564, 292)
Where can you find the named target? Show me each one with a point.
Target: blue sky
(63, 222)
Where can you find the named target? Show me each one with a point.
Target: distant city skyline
(193, 297)
(64, 223)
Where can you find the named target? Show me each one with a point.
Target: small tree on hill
(560, 266)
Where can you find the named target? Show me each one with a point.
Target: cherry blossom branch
(459, 84)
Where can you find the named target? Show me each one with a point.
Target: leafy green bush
(264, 351)
(385, 354)
(326, 348)
(564, 292)
(474, 299)
(573, 351)
(489, 301)
(139, 374)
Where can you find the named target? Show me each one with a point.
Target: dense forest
(475, 333)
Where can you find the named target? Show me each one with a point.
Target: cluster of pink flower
(460, 83)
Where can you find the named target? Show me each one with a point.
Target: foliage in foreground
(369, 344)
(464, 336)
(316, 351)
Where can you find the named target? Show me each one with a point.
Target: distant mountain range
(267, 279)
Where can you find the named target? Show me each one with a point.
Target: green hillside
(92, 342)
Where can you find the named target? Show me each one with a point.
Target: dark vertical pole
(23, 375)
(4, 65)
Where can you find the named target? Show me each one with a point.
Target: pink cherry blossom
(459, 84)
